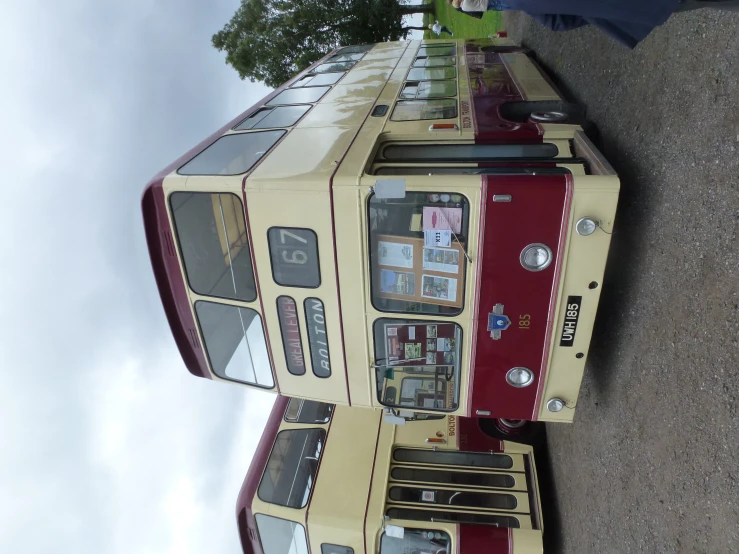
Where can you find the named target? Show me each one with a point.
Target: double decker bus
(438, 486)
(421, 226)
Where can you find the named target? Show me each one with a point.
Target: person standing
(626, 21)
(438, 29)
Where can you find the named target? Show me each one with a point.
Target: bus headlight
(586, 226)
(519, 377)
(555, 405)
(536, 257)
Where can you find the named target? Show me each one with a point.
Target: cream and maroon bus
(336, 480)
(421, 226)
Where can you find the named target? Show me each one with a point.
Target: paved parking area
(652, 461)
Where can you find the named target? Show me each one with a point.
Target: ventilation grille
(168, 243)
(194, 339)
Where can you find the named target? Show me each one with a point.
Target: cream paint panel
(339, 501)
(415, 433)
(527, 542)
(561, 131)
(349, 114)
(370, 76)
(343, 92)
(268, 209)
(528, 78)
(596, 197)
(306, 157)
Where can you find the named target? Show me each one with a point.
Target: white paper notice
(411, 333)
(441, 259)
(437, 237)
(394, 531)
(395, 254)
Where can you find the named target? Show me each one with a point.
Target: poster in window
(441, 288)
(395, 254)
(397, 282)
(442, 260)
(425, 350)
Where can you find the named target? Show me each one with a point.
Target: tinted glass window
(414, 110)
(333, 67)
(235, 343)
(437, 50)
(294, 255)
(468, 152)
(211, 232)
(454, 458)
(299, 95)
(418, 363)
(453, 517)
(315, 318)
(292, 467)
(416, 541)
(358, 48)
(346, 57)
(287, 313)
(308, 411)
(281, 116)
(335, 549)
(430, 89)
(434, 61)
(232, 154)
(410, 271)
(279, 536)
(319, 80)
(432, 73)
(462, 478)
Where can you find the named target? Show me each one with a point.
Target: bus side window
(308, 411)
(335, 549)
(415, 541)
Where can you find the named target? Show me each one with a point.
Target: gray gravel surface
(652, 462)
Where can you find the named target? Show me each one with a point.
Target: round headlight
(555, 405)
(536, 257)
(519, 377)
(585, 226)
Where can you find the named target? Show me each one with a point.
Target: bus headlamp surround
(586, 226)
(536, 257)
(519, 377)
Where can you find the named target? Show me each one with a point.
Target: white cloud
(109, 445)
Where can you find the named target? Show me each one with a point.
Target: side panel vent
(168, 243)
(380, 110)
(194, 339)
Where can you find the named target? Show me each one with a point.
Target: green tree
(271, 40)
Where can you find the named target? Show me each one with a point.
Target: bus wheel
(515, 430)
(549, 117)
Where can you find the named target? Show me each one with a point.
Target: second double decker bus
(437, 487)
(419, 226)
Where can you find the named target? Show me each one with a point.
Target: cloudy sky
(108, 444)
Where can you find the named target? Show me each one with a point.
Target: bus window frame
(259, 532)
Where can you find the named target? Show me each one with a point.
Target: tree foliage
(271, 40)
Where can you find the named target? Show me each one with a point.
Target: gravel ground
(652, 461)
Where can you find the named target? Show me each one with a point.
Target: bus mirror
(394, 419)
(389, 188)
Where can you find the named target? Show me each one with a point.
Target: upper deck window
(411, 271)
(434, 61)
(211, 232)
(235, 343)
(292, 467)
(437, 50)
(333, 67)
(266, 118)
(319, 80)
(432, 73)
(356, 48)
(232, 154)
(429, 89)
(304, 95)
(280, 536)
(346, 57)
(416, 540)
(308, 411)
(416, 110)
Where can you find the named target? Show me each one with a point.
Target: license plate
(572, 314)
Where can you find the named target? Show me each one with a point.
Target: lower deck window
(416, 541)
(418, 364)
(416, 110)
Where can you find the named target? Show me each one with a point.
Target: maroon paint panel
(479, 539)
(244, 515)
(472, 438)
(535, 215)
(168, 276)
(491, 86)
